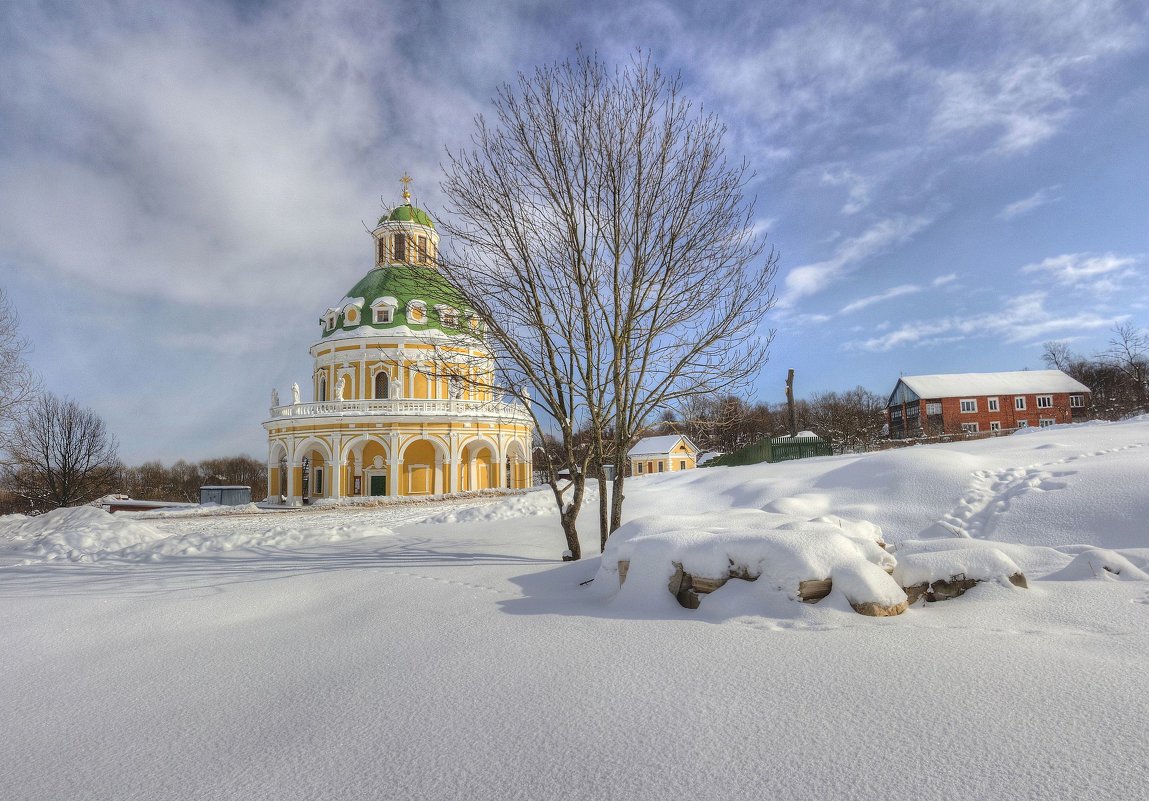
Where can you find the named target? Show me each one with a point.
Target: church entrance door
(378, 485)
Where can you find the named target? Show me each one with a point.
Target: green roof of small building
(404, 283)
(408, 213)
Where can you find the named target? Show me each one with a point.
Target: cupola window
(447, 315)
(322, 393)
(399, 247)
(423, 254)
(383, 310)
(381, 385)
(417, 312)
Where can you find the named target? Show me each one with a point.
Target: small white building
(665, 454)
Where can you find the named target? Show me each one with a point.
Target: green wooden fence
(778, 449)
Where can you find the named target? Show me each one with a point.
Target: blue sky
(183, 186)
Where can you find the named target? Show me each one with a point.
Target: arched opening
(381, 385)
(478, 468)
(419, 467)
(322, 393)
(517, 470)
(399, 247)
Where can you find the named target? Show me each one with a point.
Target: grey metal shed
(225, 496)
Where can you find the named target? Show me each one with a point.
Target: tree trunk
(604, 528)
(616, 498)
(568, 515)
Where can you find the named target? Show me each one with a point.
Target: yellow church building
(403, 403)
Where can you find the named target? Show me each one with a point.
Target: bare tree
(851, 421)
(1128, 351)
(18, 383)
(1058, 356)
(60, 454)
(1117, 378)
(605, 238)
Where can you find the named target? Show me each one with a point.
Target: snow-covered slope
(442, 651)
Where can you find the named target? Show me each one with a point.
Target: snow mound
(211, 542)
(532, 505)
(927, 562)
(776, 550)
(88, 534)
(198, 510)
(1099, 564)
(79, 534)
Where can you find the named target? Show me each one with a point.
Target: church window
(416, 311)
(351, 316)
(322, 388)
(381, 386)
(383, 251)
(399, 247)
(423, 250)
(383, 315)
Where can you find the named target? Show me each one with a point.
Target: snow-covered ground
(441, 651)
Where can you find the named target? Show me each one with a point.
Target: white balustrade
(404, 407)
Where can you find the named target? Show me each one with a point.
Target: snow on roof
(663, 444)
(1021, 382)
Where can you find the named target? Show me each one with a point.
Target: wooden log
(688, 598)
(916, 591)
(703, 584)
(873, 609)
(953, 587)
(679, 581)
(813, 590)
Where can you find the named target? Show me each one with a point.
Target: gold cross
(406, 181)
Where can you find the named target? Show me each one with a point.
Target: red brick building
(923, 405)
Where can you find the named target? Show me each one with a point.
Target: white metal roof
(663, 444)
(1020, 382)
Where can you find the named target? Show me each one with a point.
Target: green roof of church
(408, 213)
(404, 283)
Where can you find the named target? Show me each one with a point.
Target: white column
(438, 485)
(501, 463)
(453, 464)
(293, 497)
(393, 466)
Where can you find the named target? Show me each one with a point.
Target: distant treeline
(152, 481)
(852, 420)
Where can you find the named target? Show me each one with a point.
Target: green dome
(403, 283)
(408, 213)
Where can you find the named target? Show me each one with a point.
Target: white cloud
(942, 280)
(810, 279)
(1041, 197)
(894, 292)
(1084, 268)
(1020, 319)
(857, 187)
(1020, 103)
(810, 72)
